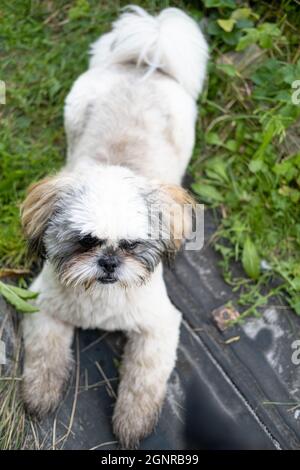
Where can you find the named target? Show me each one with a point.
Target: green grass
(14, 428)
(42, 52)
(246, 162)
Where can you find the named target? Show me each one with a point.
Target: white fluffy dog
(130, 127)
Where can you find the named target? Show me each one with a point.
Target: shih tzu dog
(130, 129)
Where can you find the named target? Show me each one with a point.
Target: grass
(13, 424)
(247, 159)
(247, 156)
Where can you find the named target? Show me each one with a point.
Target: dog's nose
(108, 263)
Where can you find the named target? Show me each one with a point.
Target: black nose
(108, 263)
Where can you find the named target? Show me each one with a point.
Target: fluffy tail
(171, 42)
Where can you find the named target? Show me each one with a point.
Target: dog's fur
(130, 128)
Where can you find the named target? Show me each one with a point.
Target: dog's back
(135, 106)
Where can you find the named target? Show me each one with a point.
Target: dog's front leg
(148, 361)
(47, 363)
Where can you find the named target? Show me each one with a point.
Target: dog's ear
(178, 207)
(37, 209)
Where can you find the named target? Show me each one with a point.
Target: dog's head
(105, 224)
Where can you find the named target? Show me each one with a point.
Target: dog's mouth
(107, 280)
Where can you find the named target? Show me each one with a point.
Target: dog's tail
(170, 42)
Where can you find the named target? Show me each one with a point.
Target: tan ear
(37, 210)
(181, 205)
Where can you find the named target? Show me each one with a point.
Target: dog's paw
(133, 420)
(43, 390)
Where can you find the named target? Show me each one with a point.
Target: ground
(246, 161)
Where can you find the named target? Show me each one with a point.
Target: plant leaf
(241, 13)
(295, 303)
(212, 138)
(217, 169)
(207, 192)
(228, 69)
(226, 25)
(250, 259)
(24, 293)
(12, 298)
(256, 165)
(220, 3)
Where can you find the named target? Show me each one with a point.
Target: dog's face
(96, 226)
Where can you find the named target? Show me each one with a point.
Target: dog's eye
(89, 241)
(128, 244)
